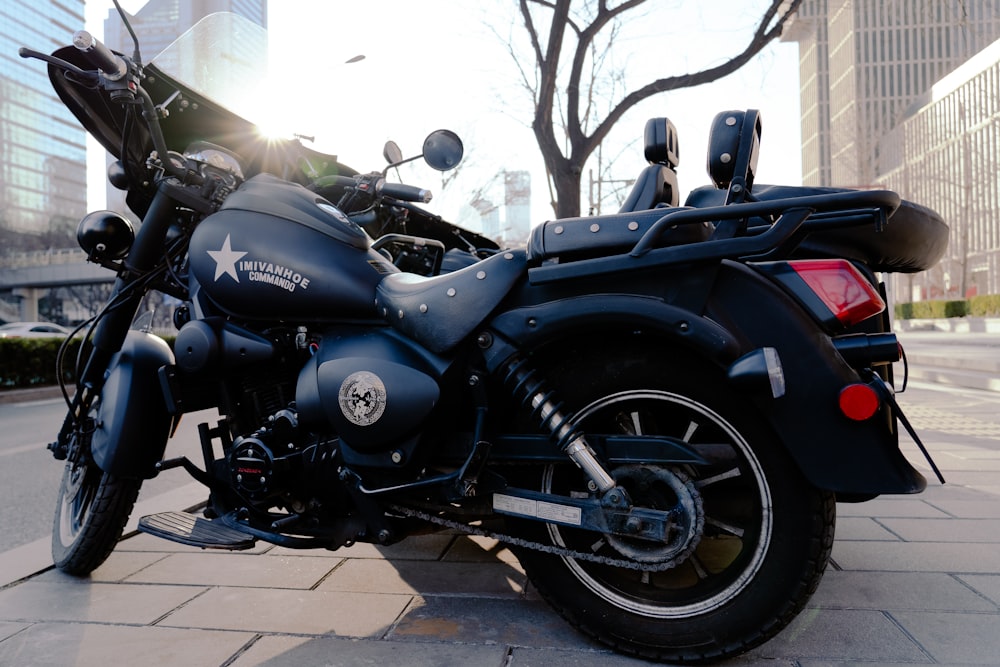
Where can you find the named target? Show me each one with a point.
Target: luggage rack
(794, 219)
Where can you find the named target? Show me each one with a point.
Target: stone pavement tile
(481, 620)
(898, 506)
(337, 652)
(945, 530)
(101, 603)
(231, 569)
(271, 647)
(971, 478)
(955, 638)
(427, 578)
(479, 549)
(967, 460)
(291, 611)
(93, 645)
(862, 528)
(421, 547)
(987, 507)
(544, 657)
(848, 635)
(986, 456)
(118, 566)
(985, 584)
(896, 591)
(916, 557)
(935, 493)
(10, 629)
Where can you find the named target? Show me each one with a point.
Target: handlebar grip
(113, 66)
(405, 192)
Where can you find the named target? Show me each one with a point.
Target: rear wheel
(750, 550)
(91, 512)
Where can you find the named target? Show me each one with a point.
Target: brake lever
(92, 75)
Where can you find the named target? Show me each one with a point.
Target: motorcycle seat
(440, 311)
(572, 239)
(914, 239)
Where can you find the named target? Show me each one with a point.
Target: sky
(433, 64)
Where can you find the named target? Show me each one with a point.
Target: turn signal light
(858, 402)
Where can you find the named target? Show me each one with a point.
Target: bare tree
(571, 109)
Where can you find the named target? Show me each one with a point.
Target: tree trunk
(567, 184)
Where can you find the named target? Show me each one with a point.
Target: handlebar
(405, 192)
(100, 56)
(381, 187)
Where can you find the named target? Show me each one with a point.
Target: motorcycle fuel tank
(276, 250)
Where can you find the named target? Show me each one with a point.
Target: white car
(33, 330)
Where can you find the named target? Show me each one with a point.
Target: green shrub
(31, 362)
(956, 308)
(987, 305)
(978, 306)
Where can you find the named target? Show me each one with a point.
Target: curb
(950, 324)
(30, 394)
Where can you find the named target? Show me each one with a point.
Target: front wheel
(751, 549)
(91, 513)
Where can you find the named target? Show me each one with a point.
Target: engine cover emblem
(362, 398)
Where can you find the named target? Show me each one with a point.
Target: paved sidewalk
(913, 580)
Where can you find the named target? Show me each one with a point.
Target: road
(29, 476)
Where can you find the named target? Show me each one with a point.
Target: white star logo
(225, 260)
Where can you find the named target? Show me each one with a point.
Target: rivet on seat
(508, 255)
(480, 275)
(400, 314)
(451, 291)
(731, 121)
(558, 230)
(632, 226)
(595, 227)
(725, 158)
(423, 308)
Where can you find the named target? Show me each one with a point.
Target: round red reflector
(858, 402)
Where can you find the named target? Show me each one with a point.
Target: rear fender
(744, 312)
(528, 327)
(835, 453)
(132, 422)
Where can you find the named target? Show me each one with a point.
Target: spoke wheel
(91, 512)
(751, 547)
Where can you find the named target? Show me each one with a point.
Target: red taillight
(858, 402)
(841, 288)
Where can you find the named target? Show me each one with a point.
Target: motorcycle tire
(752, 549)
(91, 513)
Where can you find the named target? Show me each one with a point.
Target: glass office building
(43, 185)
(862, 63)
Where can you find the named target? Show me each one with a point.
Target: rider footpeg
(195, 531)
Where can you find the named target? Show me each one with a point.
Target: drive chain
(545, 548)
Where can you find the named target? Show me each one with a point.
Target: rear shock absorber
(531, 391)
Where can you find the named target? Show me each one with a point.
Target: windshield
(223, 57)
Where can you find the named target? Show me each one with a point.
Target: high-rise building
(43, 188)
(945, 154)
(862, 63)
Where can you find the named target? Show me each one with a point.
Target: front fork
(116, 318)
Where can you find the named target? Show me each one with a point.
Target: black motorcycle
(655, 409)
